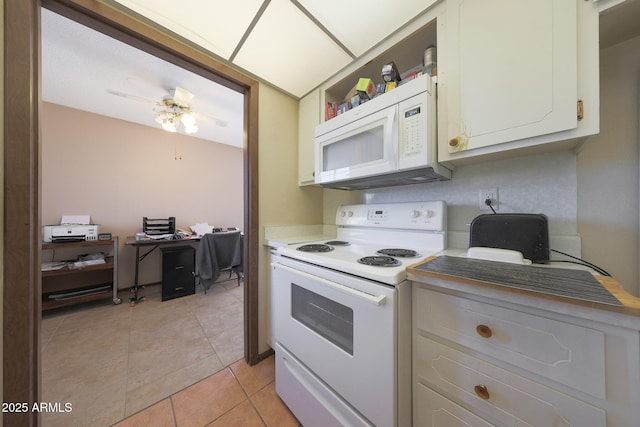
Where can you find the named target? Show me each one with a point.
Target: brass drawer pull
(484, 331)
(482, 392)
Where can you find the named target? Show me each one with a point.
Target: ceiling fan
(174, 110)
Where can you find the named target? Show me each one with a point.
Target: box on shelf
(159, 226)
(390, 72)
(366, 89)
(331, 110)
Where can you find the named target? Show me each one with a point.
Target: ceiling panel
(361, 24)
(288, 50)
(216, 25)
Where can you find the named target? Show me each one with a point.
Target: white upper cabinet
(515, 74)
(308, 119)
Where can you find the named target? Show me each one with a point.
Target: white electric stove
(341, 315)
(378, 242)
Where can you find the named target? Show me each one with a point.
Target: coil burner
(379, 261)
(315, 248)
(400, 253)
(337, 243)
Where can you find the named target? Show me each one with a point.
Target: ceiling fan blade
(182, 96)
(130, 96)
(217, 121)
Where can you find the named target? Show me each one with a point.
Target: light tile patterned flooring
(176, 363)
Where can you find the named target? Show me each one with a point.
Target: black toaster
(525, 233)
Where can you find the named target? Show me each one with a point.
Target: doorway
(22, 228)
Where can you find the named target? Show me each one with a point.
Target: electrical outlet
(488, 193)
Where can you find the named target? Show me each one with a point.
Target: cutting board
(561, 282)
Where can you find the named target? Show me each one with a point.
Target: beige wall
(281, 201)
(608, 212)
(119, 172)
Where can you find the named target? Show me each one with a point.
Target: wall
(544, 183)
(282, 202)
(118, 172)
(608, 211)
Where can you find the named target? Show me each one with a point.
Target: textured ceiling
(88, 71)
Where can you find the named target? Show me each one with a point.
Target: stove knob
(342, 214)
(350, 214)
(415, 213)
(430, 213)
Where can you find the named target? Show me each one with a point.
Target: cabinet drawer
(566, 353)
(498, 393)
(434, 410)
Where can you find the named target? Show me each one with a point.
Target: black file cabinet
(178, 272)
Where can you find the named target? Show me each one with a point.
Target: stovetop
(406, 233)
(345, 259)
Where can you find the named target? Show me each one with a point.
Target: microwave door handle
(377, 300)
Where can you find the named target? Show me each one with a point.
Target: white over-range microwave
(390, 140)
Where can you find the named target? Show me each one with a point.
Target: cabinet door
(308, 119)
(178, 268)
(433, 410)
(512, 71)
(570, 354)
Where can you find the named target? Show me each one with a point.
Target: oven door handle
(377, 300)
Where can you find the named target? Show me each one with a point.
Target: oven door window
(329, 319)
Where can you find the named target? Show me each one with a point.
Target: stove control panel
(378, 215)
(413, 215)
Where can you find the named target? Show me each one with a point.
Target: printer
(70, 232)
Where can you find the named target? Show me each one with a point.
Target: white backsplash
(544, 183)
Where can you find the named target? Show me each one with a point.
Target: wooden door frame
(21, 196)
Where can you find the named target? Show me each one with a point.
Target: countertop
(291, 235)
(510, 284)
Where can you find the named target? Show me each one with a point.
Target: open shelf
(406, 54)
(48, 304)
(90, 283)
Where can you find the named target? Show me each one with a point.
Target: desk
(152, 244)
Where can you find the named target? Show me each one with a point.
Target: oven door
(343, 329)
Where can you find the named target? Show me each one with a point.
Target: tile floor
(175, 363)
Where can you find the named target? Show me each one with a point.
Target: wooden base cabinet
(479, 361)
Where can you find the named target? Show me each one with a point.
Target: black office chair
(218, 252)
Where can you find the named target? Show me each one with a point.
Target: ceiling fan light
(169, 126)
(188, 119)
(174, 109)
